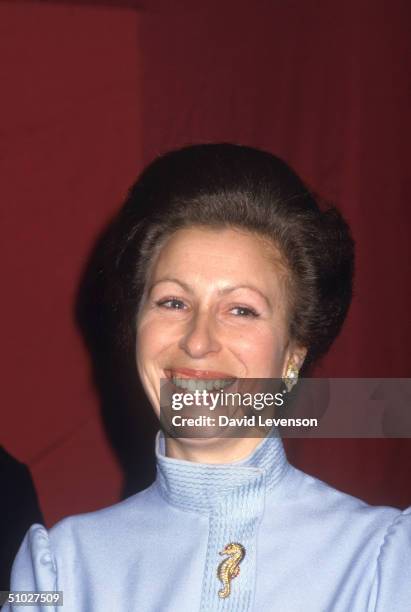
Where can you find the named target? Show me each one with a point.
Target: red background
(90, 91)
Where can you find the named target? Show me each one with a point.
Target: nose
(200, 337)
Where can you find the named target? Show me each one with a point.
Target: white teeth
(200, 385)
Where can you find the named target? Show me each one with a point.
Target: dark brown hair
(226, 185)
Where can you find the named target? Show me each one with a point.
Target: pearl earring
(291, 376)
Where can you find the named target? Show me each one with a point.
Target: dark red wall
(91, 91)
(70, 147)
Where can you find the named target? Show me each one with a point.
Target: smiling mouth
(199, 380)
(201, 385)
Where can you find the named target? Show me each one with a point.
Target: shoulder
(43, 553)
(330, 514)
(372, 544)
(34, 568)
(392, 582)
(114, 521)
(375, 540)
(325, 499)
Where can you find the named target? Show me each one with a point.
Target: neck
(215, 450)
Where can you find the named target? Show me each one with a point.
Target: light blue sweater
(308, 547)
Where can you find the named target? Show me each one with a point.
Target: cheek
(147, 341)
(151, 340)
(148, 346)
(264, 355)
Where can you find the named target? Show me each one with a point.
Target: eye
(171, 304)
(245, 311)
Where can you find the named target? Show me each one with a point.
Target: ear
(294, 356)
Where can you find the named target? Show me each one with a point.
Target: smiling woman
(223, 267)
(217, 317)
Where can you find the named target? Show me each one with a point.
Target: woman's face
(214, 307)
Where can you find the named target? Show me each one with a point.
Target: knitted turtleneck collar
(203, 487)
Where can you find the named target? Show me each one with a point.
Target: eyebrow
(169, 279)
(223, 291)
(234, 287)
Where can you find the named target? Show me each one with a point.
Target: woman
(223, 267)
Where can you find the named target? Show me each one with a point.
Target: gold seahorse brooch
(229, 568)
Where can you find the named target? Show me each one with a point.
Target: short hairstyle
(233, 186)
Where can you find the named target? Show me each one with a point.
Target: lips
(196, 374)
